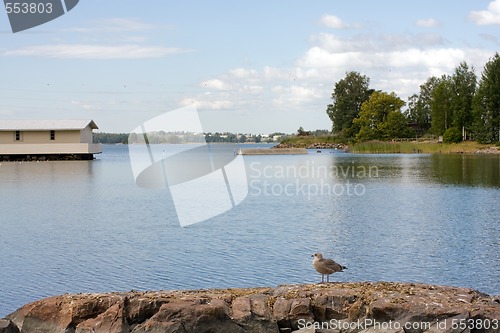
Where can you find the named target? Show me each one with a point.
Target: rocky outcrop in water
(317, 145)
(328, 308)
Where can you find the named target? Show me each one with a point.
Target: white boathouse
(47, 140)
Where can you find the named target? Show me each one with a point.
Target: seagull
(326, 266)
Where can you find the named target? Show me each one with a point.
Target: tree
(413, 109)
(112, 138)
(451, 100)
(464, 82)
(243, 138)
(348, 95)
(419, 106)
(395, 126)
(452, 135)
(302, 132)
(378, 115)
(441, 105)
(486, 104)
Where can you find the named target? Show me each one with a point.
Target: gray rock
(6, 326)
(325, 308)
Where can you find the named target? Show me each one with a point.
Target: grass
(380, 147)
(388, 147)
(304, 141)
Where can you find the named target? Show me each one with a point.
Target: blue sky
(259, 66)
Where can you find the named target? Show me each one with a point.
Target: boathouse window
(17, 136)
(52, 135)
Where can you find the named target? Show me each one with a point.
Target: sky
(247, 66)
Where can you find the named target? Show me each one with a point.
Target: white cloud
(296, 95)
(335, 22)
(208, 104)
(308, 84)
(394, 62)
(427, 23)
(487, 17)
(87, 106)
(319, 58)
(398, 62)
(111, 38)
(445, 58)
(114, 25)
(373, 43)
(251, 89)
(273, 73)
(332, 42)
(87, 51)
(243, 73)
(400, 70)
(332, 21)
(216, 84)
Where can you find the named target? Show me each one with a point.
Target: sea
(86, 226)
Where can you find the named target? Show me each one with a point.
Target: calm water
(69, 227)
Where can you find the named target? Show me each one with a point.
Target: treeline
(457, 107)
(111, 138)
(185, 137)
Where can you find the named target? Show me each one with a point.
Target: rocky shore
(328, 308)
(490, 150)
(317, 145)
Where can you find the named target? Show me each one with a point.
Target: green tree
(412, 110)
(348, 95)
(112, 138)
(464, 82)
(452, 135)
(486, 104)
(243, 138)
(395, 126)
(302, 132)
(441, 105)
(378, 115)
(419, 106)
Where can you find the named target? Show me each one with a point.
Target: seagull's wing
(330, 264)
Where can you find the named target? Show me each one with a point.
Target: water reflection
(409, 227)
(466, 169)
(46, 172)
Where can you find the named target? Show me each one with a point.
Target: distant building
(47, 140)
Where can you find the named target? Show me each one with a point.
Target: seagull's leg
(322, 278)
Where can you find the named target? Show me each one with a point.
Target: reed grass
(380, 147)
(389, 147)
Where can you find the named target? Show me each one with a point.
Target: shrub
(452, 135)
